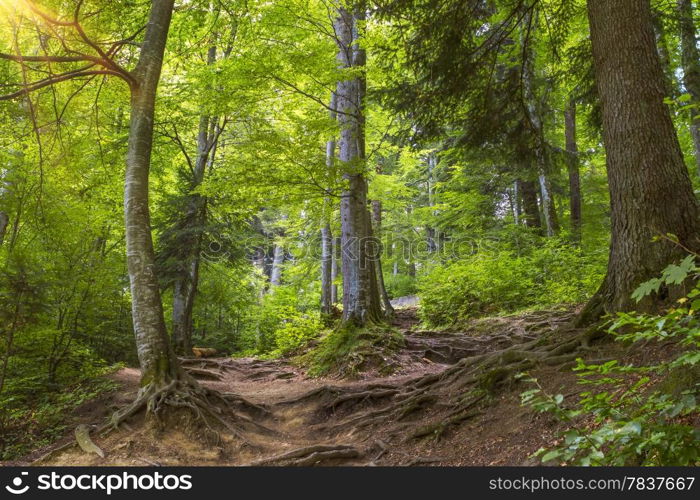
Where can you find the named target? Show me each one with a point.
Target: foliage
(636, 415)
(499, 279)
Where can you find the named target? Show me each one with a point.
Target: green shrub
(505, 280)
(636, 415)
(399, 285)
(279, 325)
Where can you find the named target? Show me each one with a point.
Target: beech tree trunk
(156, 356)
(327, 278)
(650, 190)
(572, 163)
(335, 267)
(383, 294)
(360, 294)
(277, 261)
(691, 70)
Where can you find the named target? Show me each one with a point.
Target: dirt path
(422, 414)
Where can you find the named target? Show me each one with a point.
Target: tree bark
(531, 211)
(691, 70)
(335, 267)
(650, 190)
(384, 296)
(326, 233)
(277, 262)
(360, 298)
(4, 221)
(156, 356)
(572, 163)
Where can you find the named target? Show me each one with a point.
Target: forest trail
(292, 419)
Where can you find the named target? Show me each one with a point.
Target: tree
(361, 301)
(164, 384)
(650, 190)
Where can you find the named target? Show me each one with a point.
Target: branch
(53, 80)
(56, 59)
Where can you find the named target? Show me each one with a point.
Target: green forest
(349, 232)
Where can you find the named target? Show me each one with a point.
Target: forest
(349, 232)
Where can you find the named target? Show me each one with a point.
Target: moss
(349, 350)
(158, 373)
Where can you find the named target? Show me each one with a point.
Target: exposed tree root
(311, 455)
(462, 388)
(197, 408)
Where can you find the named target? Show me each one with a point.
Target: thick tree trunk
(531, 211)
(691, 70)
(650, 190)
(360, 297)
(572, 164)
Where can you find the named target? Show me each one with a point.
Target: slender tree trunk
(572, 164)
(664, 55)
(549, 214)
(192, 225)
(691, 70)
(377, 216)
(360, 300)
(650, 190)
(531, 211)
(156, 356)
(277, 262)
(4, 221)
(549, 211)
(335, 267)
(326, 233)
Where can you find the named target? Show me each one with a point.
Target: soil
(425, 413)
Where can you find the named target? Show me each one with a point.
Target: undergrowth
(348, 350)
(32, 423)
(636, 414)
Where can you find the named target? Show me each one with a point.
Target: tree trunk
(531, 211)
(192, 226)
(156, 357)
(650, 190)
(334, 269)
(4, 221)
(360, 300)
(572, 164)
(326, 233)
(277, 261)
(691, 70)
(384, 296)
(549, 211)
